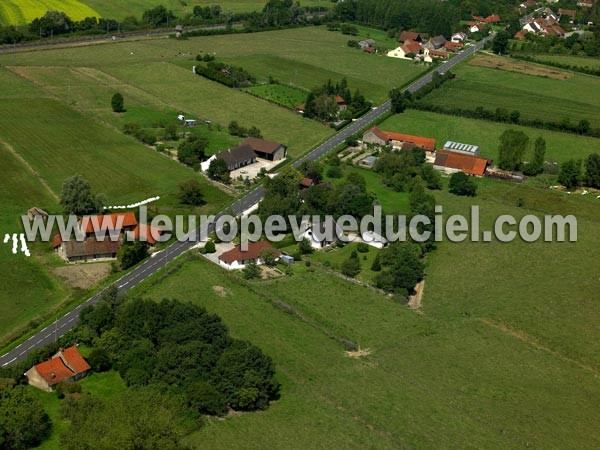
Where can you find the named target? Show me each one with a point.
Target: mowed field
(307, 57)
(157, 74)
(560, 147)
(43, 142)
(580, 61)
(21, 12)
(504, 354)
(162, 78)
(536, 97)
(27, 286)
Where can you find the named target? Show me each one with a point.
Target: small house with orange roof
(66, 366)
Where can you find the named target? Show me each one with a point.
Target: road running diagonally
(152, 265)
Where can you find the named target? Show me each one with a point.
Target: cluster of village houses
(421, 47)
(545, 22)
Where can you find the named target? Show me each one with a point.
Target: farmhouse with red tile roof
(65, 367)
(452, 162)
(398, 141)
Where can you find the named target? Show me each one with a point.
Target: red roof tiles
(74, 359)
(109, 222)
(63, 366)
(409, 36)
(471, 165)
(148, 232)
(252, 253)
(411, 47)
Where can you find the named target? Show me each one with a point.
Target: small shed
(36, 213)
(287, 259)
(368, 162)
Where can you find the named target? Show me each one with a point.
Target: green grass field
(559, 146)
(106, 385)
(28, 286)
(156, 74)
(287, 96)
(382, 40)
(89, 90)
(21, 12)
(56, 142)
(580, 61)
(536, 97)
(496, 359)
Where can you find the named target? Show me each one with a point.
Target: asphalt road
(160, 260)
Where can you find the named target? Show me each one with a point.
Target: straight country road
(152, 265)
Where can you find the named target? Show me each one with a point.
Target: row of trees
(573, 173)
(582, 127)
(514, 145)
(231, 76)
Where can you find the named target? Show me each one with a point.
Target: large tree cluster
(182, 349)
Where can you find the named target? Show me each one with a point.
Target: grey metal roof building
(465, 149)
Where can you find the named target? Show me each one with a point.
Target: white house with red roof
(238, 258)
(406, 51)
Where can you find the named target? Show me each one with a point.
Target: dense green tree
(351, 266)
(399, 100)
(432, 177)
(312, 170)
(244, 375)
(209, 247)
(190, 193)
(570, 174)
(251, 271)
(403, 268)
(117, 103)
(134, 419)
(53, 22)
(269, 256)
(171, 132)
(77, 197)
(304, 247)
(157, 16)
(131, 253)
(23, 421)
(500, 42)
(462, 184)
(536, 165)
(218, 170)
(99, 360)
(205, 399)
(592, 170)
(376, 265)
(191, 150)
(511, 150)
